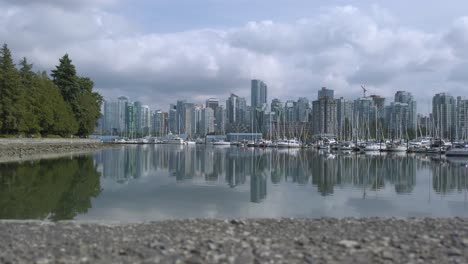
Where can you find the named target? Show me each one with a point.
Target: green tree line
(31, 103)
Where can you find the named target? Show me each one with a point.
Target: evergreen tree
(28, 118)
(10, 92)
(65, 78)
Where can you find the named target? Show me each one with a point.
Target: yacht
(375, 147)
(346, 146)
(395, 147)
(221, 143)
(190, 142)
(288, 143)
(174, 140)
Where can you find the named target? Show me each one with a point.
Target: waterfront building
(379, 104)
(344, 115)
(303, 109)
(111, 123)
(258, 103)
(258, 94)
(462, 118)
(207, 122)
(159, 123)
(290, 111)
(444, 114)
(326, 93)
(212, 103)
(220, 119)
(130, 118)
(173, 127)
(407, 98)
(122, 109)
(196, 120)
(324, 113)
(364, 118)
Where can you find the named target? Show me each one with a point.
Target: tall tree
(28, 120)
(64, 76)
(10, 92)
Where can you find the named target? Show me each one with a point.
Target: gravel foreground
(238, 241)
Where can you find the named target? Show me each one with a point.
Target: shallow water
(155, 182)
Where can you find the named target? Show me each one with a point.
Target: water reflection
(241, 166)
(49, 189)
(163, 181)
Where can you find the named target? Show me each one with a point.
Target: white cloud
(340, 48)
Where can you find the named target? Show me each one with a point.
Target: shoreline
(13, 150)
(373, 240)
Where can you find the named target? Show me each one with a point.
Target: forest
(34, 104)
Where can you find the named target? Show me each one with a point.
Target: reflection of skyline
(241, 166)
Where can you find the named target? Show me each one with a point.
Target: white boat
(174, 140)
(288, 143)
(143, 141)
(221, 143)
(346, 146)
(396, 148)
(375, 147)
(457, 152)
(190, 142)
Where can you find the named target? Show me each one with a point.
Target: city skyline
(292, 46)
(368, 116)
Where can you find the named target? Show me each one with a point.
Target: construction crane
(364, 90)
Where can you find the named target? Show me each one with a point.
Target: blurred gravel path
(238, 241)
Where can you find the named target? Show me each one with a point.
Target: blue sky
(160, 51)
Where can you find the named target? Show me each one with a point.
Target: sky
(158, 51)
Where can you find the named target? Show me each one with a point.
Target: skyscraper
(207, 121)
(324, 113)
(212, 103)
(444, 114)
(303, 109)
(462, 118)
(407, 98)
(325, 93)
(258, 94)
(122, 109)
(344, 115)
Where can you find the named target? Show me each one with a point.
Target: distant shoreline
(18, 149)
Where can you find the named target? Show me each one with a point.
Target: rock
(349, 243)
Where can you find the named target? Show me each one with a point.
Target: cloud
(66, 4)
(342, 47)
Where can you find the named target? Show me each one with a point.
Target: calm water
(154, 182)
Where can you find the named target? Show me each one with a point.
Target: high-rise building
(278, 108)
(220, 120)
(122, 109)
(462, 118)
(130, 119)
(207, 121)
(379, 104)
(407, 98)
(324, 113)
(111, 124)
(145, 120)
(212, 103)
(303, 109)
(397, 119)
(173, 126)
(231, 109)
(326, 93)
(258, 94)
(290, 111)
(196, 120)
(159, 123)
(444, 114)
(344, 117)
